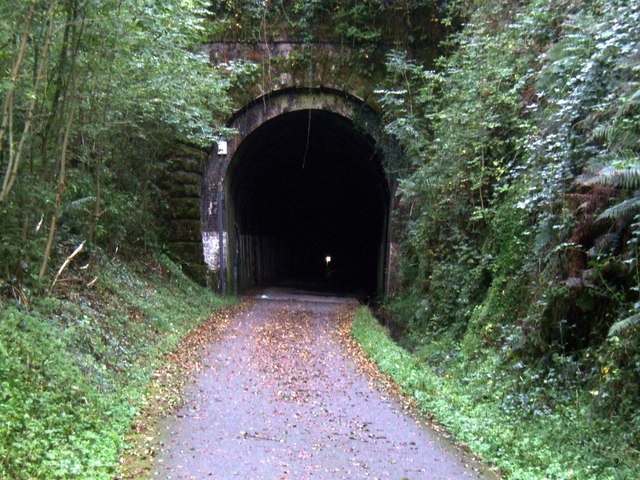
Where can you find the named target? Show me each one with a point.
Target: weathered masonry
(304, 179)
(304, 193)
(308, 176)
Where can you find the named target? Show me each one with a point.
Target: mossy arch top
(305, 177)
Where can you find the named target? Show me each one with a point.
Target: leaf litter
(282, 391)
(165, 393)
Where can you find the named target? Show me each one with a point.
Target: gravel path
(281, 397)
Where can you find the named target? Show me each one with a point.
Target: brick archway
(237, 259)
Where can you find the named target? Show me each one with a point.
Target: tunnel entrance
(307, 206)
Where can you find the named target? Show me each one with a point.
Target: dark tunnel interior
(305, 186)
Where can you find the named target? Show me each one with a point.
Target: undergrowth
(74, 364)
(532, 423)
(518, 287)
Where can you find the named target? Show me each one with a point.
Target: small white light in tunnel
(327, 260)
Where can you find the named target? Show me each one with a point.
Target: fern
(624, 324)
(623, 208)
(626, 178)
(633, 101)
(619, 139)
(79, 205)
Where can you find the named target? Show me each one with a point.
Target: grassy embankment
(562, 438)
(74, 364)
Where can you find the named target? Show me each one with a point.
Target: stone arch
(236, 259)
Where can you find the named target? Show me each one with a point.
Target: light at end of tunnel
(327, 260)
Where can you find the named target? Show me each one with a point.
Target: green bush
(532, 423)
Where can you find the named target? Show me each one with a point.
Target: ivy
(520, 194)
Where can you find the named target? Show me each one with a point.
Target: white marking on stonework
(211, 249)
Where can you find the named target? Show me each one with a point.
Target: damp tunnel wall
(304, 186)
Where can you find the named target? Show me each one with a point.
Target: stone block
(187, 164)
(189, 252)
(184, 208)
(182, 177)
(182, 190)
(199, 273)
(184, 231)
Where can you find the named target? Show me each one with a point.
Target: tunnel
(308, 206)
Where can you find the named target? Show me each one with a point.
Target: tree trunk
(12, 169)
(96, 209)
(62, 174)
(62, 185)
(8, 101)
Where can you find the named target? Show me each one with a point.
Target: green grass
(73, 366)
(527, 426)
